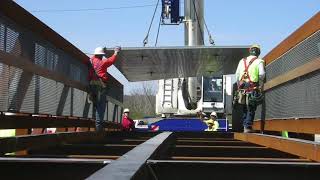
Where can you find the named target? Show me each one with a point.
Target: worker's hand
(117, 49)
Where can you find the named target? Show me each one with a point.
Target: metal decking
(120, 155)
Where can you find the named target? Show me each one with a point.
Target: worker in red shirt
(98, 82)
(127, 122)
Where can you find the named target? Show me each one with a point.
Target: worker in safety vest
(98, 82)
(250, 78)
(212, 123)
(127, 122)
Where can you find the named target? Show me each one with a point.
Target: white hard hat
(163, 115)
(255, 46)
(126, 110)
(99, 51)
(213, 114)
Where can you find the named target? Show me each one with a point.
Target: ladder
(167, 93)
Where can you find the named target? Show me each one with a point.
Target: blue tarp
(194, 124)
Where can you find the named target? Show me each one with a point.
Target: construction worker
(250, 77)
(98, 82)
(127, 122)
(201, 115)
(212, 123)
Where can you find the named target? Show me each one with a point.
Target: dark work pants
(248, 113)
(100, 104)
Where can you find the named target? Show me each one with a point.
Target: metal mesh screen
(14, 77)
(79, 100)
(4, 87)
(29, 101)
(47, 97)
(299, 98)
(304, 52)
(24, 91)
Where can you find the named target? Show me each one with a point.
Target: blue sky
(231, 22)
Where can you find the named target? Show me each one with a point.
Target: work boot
(247, 130)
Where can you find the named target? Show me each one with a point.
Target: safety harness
(100, 82)
(246, 75)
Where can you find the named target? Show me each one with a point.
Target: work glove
(117, 49)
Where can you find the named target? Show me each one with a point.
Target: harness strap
(246, 73)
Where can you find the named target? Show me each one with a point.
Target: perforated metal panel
(28, 104)
(12, 43)
(299, 98)
(304, 52)
(48, 99)
(24, 91)
(14, 78)
(79, 100)
(2, 37)
(4, 87)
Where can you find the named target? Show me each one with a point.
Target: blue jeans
(249, 110)
(100, 104)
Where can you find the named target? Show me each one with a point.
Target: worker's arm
(238, 72)
(216, 126)
(262, 73)
(111, 60)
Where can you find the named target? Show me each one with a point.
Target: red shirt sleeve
(109, 61)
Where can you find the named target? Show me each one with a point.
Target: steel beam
(17, 143)
(303, 148)
(193, 158)
(190, 170)
(54, 160)
(131, 164)
(28, 121)
(307, 126)
(84, 149)
(225, 151)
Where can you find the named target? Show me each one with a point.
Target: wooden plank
(302, 148)
(306, 30)
(129, 165)
(293, 74)
(307, 126)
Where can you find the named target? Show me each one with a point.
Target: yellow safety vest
(214, 127)
(253, 69)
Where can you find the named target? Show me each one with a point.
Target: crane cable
(211, 41)
(145, 41)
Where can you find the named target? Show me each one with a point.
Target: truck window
(212, 89)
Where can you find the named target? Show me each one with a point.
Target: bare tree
(141, 101)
